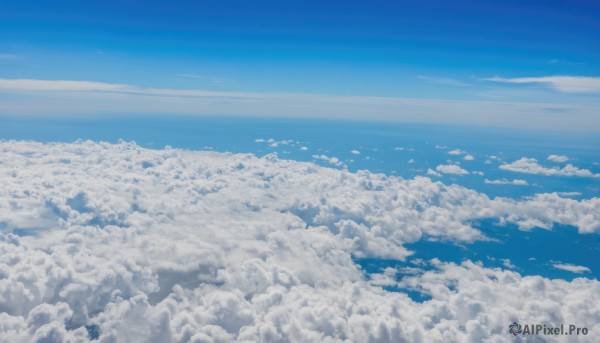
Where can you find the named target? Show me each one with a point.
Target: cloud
(558, 158)
(571, 268)
(516, 182)
(72, 98)
(565, 84)
(331, 160)
(456, 152)
(355, 152)
(433, 172)
(451, 169)
(468, 157)
(531, 166)
(192, 246)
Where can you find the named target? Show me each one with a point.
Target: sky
(527, 64)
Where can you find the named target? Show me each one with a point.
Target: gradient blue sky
(505, 63)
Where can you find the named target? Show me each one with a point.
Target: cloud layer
(79, 98)
(565, 84)
(531, 166)
(177, 246)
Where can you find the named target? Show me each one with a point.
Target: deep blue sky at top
(341, 47)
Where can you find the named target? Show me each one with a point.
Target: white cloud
(177, 246)
(468, 157)
(571, 268)
(433, 172)
(451, 169)
(84, 98)
(516, 182)
(565, 84)
(331, 160)
(456, 152)
(558, 158)
(569, 194)
(355, 152)
(303, 148)
(531, 166)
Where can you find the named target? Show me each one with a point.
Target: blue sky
(510, 63)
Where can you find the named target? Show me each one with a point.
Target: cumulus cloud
(571, 268)
(531, 166)
(185, 246)
(331, 160)
(516, 182)
(558, 158)
(433, 172)
(468, 157)
(456, 152)
(451, 169)
(355, 152)
(565, 84)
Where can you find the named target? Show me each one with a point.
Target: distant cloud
(68, 98)
(558, 158)
(355, 152)
(565, 84)
(456, 152)
(433, 172)
(403, 149)
(331, 160)
(516, 182)
(531, 166)
(451, 169)
(468, 157)
(569, 194)
(572, 268)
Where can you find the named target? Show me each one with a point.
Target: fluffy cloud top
(531, 166)
(167, 245)
(456, 152)
(558, 158)
(451, 169)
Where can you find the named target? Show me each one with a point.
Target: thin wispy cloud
(85, 98)
(564, 84)
(571, 268)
